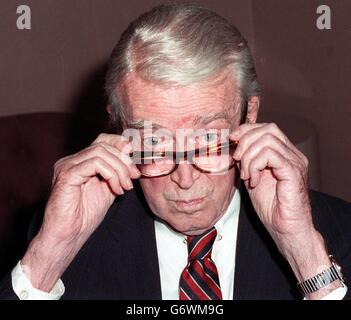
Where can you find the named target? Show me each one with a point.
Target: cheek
(153, 190)
(154, 185)
(223, 184)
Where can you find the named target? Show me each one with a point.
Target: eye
(209, 137)
(152, 141)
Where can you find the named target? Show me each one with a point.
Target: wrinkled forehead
(179, 106)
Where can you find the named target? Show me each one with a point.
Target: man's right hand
(84, 187)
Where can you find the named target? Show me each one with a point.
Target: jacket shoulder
(329, 212)
(332, 217)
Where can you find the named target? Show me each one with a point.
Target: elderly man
(220, 207)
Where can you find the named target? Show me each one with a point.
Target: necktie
(199, 279)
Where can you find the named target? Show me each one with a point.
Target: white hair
(179, 44)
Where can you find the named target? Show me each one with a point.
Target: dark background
(59, 65)
(305, 71)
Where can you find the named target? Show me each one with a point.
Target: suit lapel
(246, 261)
(260, 270)
(133, 229)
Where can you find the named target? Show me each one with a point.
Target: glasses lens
(212, 159)
(152, 167)
(218, 159)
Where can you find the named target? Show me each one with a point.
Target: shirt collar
(231, 212)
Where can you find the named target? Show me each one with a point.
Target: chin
(188, 226)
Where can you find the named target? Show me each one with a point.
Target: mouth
(191, 204)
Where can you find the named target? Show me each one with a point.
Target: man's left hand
(275, 174)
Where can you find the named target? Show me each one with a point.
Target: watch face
(337, 268)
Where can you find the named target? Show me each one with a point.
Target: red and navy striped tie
(199, 279)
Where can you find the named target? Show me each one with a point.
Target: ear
(109, 109)
(253, 106)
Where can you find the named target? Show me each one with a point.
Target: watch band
(322, 279)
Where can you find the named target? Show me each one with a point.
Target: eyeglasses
(211, 159)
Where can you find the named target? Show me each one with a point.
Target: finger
(255, 178)
(125, 158)
(84, 171)
(59, 167)
(122, 163)
(267, 140)
(270, 158)
(243, 128)
(124, 171)
(117, 141)
(121, 147)
(124, 168)
(248, 134)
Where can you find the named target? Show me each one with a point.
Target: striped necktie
(199, 279)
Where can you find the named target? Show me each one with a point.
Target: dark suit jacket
(119, 261)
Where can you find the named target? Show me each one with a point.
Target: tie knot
(200, 246)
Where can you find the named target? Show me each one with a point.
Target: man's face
(188, 200)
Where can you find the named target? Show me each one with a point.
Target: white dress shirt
(172, 262)
(173, 255)
(25, 291)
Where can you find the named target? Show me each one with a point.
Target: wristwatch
(322, 279)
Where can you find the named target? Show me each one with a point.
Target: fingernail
(251, 184)
(121, 191)
(126, 160)
(237, 153)
(127, 148)
(239, 165)
(130, 184)
(136, 171)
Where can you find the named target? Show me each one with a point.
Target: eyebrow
(144, 124)
(204, 120)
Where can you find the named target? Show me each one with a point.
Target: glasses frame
(185, 155)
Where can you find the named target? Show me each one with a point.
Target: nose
(185, 175)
